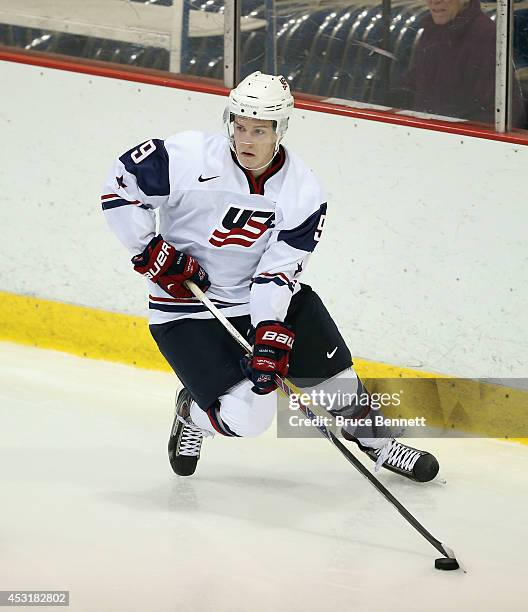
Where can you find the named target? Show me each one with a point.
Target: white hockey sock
(374, 442)
(200, 418)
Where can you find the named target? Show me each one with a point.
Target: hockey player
(239, 214)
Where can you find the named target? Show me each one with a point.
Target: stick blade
(450, 561)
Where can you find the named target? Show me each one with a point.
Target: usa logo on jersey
(242, 226)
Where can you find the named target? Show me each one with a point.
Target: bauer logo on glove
(169, 268)
(161, 260)
(286, 339)
(271, 352)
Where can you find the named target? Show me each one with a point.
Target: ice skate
(186, 438)
(407, 461)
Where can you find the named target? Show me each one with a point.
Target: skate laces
(191, 438)
(397, 455)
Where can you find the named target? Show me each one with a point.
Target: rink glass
(352, 53)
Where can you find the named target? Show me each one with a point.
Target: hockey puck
(446, 563)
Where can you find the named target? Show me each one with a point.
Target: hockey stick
(289, 389)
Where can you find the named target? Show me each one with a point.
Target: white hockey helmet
(260, 96)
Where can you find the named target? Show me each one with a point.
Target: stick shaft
(216, 313)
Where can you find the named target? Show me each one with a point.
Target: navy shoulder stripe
(306, 236)
(149, 163)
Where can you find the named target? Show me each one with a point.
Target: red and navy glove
(271, 352)
(169, 268)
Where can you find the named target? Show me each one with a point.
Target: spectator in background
(453, 68)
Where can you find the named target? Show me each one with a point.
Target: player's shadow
(323, 510)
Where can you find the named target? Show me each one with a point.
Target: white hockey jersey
(252, 236)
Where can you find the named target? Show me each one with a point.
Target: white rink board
(423, 263)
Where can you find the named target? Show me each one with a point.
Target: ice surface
(90, 505)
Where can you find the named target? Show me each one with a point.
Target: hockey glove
(169, 268)
(271, 352)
